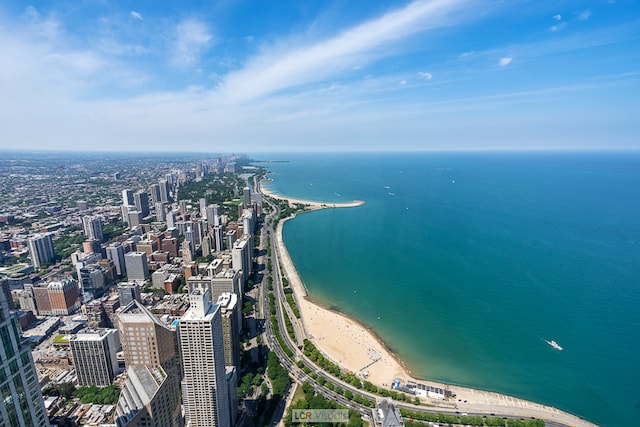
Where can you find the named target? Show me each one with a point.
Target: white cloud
(468, 54)
(559, 27)
(192, 39)
(272, 71)
(424, 75)
(557, 17)
(505, 61)
(135, 15)
(583, 16)
(402, 82)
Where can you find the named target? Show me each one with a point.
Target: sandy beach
(356, 348)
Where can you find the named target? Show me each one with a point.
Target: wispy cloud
(557, 17)
(271, 71)
(583, 16)
(424, 75)
(136, 15)
(505, 61)
(192, 38)
(558, 27)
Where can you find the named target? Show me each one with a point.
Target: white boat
(554, 344)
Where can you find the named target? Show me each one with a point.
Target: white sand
(353, 346)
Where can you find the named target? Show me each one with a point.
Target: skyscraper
(137, 266)
(151, 393)
(204, 385)
(165, 196)
(246, 197)
(141, 200)
(115, 253)
(94, 356)
(231, 316)
(154, 193)
(41, 249)
(92, 227)
(127, 197)
(21, 401)
(128, 292)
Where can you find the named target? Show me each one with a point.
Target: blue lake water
(471, 261)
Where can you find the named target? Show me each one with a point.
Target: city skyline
(319, 76)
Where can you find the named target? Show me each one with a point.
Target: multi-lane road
(299, 374)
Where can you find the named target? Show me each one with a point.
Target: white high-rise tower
(204, 386)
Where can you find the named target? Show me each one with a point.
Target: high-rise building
(115, 253)
(171, 219)
(226, 281)
(92, 226)
(204, 386)
(92, 281)
(232, 385)
(94, 356)
(64, 297)
(165, 196)
(127, 197)
(137, 266)
(128, 292)
(21, 401)
(241, 256)
(134, 217)
(141, 200)
(161, 214)
(41, 297)
(41, 249)
(231, 318)
(154, 193)
(230, 238)
(246, 197)
(92, 246)
(151, 394)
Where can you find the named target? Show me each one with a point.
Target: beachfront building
(228, 280)
(204, 387)
(231, 321)
(21, 401)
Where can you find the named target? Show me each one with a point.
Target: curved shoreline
(352, 344)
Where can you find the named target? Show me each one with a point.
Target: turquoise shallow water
(471, 261)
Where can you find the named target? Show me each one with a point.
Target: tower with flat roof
(151, 394)
(41, 249)
(204, 386)
(94, 356)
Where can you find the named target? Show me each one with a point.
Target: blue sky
(314, 75)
